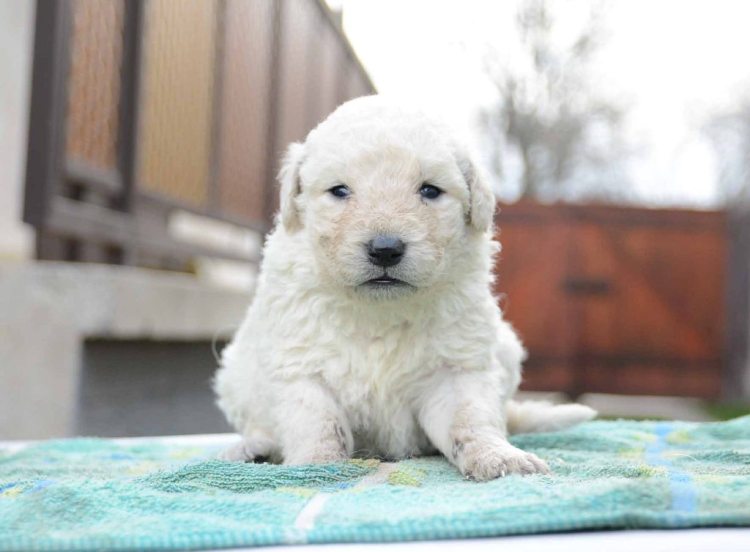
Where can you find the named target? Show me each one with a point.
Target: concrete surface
(642, 406)
(632, 406)
(48, 310)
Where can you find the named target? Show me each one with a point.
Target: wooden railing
(144, 107)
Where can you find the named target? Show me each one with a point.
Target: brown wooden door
(616, 299)
(532, 263)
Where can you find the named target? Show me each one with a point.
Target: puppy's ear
(481, 197)
(291, 186)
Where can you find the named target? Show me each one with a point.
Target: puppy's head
(388, 202)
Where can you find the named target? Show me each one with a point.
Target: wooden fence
(617, 300)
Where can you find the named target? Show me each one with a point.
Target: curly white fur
(326, 366)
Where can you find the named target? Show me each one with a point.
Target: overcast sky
(673, 61)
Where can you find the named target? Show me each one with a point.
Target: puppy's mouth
(385, 281)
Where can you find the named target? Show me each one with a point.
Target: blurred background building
(140, 142)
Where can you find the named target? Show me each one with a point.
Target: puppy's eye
(428, 191)
(341, 191)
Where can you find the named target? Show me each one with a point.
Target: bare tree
(729, 132)
(567, 139)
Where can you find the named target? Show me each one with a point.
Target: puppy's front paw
(483, 462)
(239, 452)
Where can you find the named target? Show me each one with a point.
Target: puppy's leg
(312, 427)
(462, 414)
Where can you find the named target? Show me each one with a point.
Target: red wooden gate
(613, 299)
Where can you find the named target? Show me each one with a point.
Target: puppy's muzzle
(385, 251)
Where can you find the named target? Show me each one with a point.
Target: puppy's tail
(539, 416)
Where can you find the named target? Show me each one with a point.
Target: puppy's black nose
(385, 250)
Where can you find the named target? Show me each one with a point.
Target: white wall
(16, 45)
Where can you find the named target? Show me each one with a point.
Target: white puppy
(373, 331)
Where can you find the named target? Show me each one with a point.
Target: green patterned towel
(90, 494)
